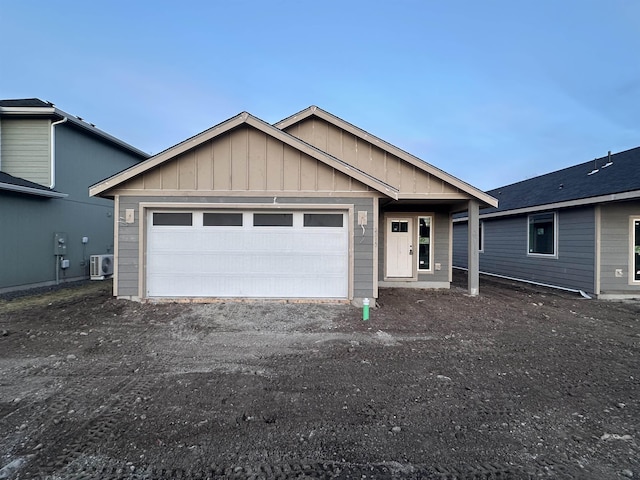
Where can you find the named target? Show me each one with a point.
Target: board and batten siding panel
(615, 245)
(369, 157)
(129, 247)
(505, 250)
(26, 149)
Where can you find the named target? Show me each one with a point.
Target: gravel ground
(521, 382)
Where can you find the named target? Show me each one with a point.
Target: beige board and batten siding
(130, 277)
(244, 160)
(25, 145)
(411, 180)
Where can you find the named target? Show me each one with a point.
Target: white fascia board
(167, 154)
(612, 197)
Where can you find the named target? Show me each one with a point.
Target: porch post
(473, 248)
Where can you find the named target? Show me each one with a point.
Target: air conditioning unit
(101, 266)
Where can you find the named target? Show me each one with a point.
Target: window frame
(554, 216)
(431, 262)
(481, 236)
(634, 242)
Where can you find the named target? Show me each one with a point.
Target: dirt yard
(521, 382)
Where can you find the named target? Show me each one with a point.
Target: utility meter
(60, 243)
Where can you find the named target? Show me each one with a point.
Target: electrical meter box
(60, 243)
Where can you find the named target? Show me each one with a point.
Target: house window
(480, 237)
(273, 219)
(542, 234)
(636, 250)
(177, 219)
(222, 219)
(424, 243)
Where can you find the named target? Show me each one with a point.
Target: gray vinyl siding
(460, 248)
(129, 241)
(505, 250)
(27, 255)
(615, 245)
(25, 149)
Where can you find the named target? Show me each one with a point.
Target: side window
(636, 250)
(424, 243)
(481, 237)
(542, 234)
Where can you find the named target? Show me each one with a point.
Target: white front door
(399, 249)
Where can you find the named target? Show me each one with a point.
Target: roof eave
(580, 202)
(60, 114)
(32, 191)
(102, 188)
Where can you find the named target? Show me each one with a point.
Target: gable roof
(102, 188)
(420, 164)
(17, 184)
(608, 178)
(35, 107)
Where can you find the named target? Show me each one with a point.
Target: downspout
(53, 151)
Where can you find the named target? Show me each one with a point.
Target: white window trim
(417, 242)
(632, 243)
(555, 236)
(481, 233)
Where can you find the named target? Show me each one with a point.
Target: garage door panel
(260, 262)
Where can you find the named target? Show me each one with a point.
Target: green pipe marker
(365, 309)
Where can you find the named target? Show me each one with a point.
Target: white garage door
(248, 254)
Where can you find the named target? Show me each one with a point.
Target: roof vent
(595, 167)
(609, 162)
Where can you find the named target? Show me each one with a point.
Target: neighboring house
(576, 228)
(49, 224)
(311, 207)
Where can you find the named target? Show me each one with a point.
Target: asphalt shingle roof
(21, 182)
(24, 102)
(572, 183)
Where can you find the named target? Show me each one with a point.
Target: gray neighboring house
(48, 159)
(577, 228)
(312, 207)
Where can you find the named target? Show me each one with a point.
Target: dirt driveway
(520, 382)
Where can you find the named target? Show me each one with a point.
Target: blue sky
(492, 92)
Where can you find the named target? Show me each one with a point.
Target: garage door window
(222, 219)
(273, 219)
(173, 219)
(323, 220)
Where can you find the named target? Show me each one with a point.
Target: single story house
(577, 228)
(312, 207)
(50, 225)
